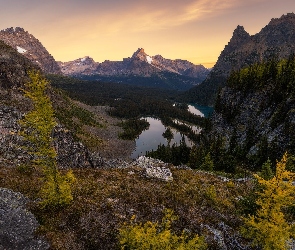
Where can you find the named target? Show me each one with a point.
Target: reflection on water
(151, 138)
(200, 110)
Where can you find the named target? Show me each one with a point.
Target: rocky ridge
(275, 40)
(31, 48)
(139, 64)
(13, 68)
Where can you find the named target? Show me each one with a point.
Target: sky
(193, 30)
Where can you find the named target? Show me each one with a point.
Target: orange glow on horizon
(193, 30)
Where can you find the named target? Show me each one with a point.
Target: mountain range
(140, 69)
(254, 119)
(275, 40)
(140, 64)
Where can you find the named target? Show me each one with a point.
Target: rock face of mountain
(140, 64)
(31, 48)
(179, 66)
(85, 65)
(255, 112)
(274, 40)
(14, 69)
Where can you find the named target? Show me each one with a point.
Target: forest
(132, 103)
(275, 79)
(162, 80)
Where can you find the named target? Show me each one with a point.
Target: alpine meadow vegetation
(37, 128)
(154, 236)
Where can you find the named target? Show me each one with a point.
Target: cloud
(138, 16)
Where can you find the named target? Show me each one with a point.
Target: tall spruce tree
(37, 127)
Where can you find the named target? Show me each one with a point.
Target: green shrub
(154, 236)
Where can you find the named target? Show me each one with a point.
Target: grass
(105, 199)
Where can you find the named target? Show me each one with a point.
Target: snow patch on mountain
(21, 50)
(149, 59)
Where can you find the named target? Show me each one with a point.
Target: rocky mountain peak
(240, 35)
(140, 54)
(31, 48)
(13, 30)
(288, 18)
(274, 40)
(86, 60)
(85, 65)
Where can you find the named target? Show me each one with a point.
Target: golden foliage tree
(37, 128)
(268, 228)
(154, 236)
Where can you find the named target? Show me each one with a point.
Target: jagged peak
(85, 58)
(283, 18)
(139, 53)
(240, 31)
(14, 30)
(239, 35)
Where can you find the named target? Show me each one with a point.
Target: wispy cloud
(138, 16)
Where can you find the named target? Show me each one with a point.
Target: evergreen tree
(37, 128)
(266, 171)
(208, 163)
(268, 228)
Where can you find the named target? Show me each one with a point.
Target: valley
(99, 155)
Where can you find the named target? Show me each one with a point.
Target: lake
(150, 139)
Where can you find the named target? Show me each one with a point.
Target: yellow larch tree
(268, 227)
(37, 127)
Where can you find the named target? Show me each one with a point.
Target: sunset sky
(195, 30)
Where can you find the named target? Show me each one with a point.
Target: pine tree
(208, 163)
(37, 128)
(266, 171)
(268, 228)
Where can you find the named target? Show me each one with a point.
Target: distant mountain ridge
(31, 48)
(140, 64)
(275, 40)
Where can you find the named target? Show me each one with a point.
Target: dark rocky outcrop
(31, 48)
(275, 40)
(13, 67)
(71, 154)
(17, 224)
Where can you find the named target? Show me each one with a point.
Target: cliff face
(31, 48)
(256, 110)
(275, 40)
(14, 69)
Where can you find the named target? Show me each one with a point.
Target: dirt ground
(111, 147)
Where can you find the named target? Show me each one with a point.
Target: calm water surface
(151, 138)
